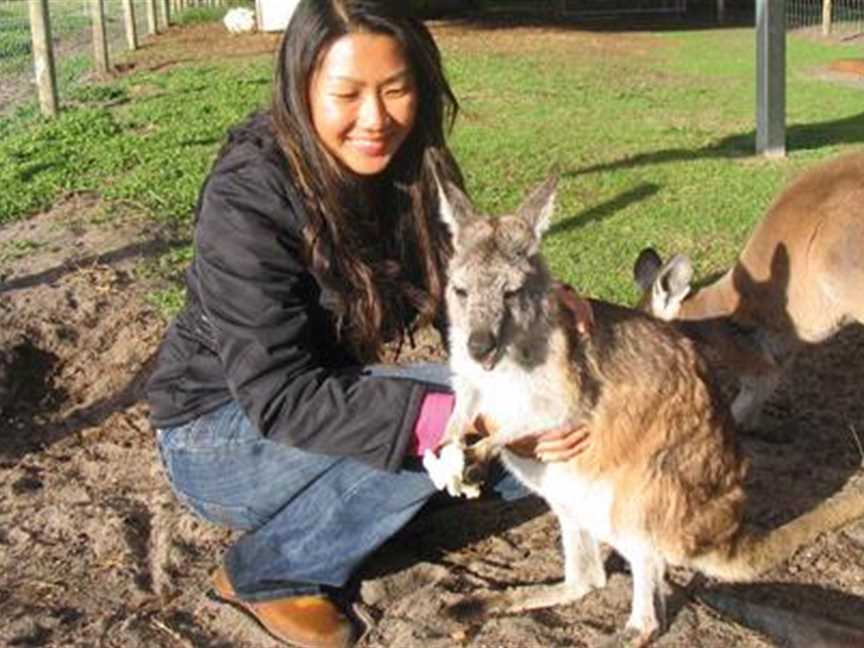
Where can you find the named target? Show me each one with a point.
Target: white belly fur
(524, 402)
(585, 502)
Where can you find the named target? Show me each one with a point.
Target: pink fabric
(431, 422)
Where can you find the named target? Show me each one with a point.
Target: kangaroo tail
(750, 554)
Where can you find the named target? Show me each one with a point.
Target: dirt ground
(95, 551)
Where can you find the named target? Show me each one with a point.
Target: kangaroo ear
(670, 287)
(646, 268)
(454, 206)
(538, 207)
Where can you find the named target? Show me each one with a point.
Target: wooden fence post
(43, 57)
(152, 24)
(826, 17)
(131, 31)
(100, 42)
(166, 13)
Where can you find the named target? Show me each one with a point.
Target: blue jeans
(310, 519)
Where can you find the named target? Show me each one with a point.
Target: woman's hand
(576, 311)
(558, 444)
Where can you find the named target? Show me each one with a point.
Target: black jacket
(257, 328)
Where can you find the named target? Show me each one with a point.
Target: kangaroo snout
(482, 346)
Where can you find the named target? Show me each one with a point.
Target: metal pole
(771, 77)
(43, 57)
(100, 42)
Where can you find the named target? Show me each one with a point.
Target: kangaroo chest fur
(522, 400)
(519, 399)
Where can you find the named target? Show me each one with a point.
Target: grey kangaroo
(662, 478)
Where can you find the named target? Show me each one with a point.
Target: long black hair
(377, 243)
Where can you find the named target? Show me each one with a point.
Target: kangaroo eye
(460, 292)
(511, 294)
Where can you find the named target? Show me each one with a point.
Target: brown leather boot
(303, 621)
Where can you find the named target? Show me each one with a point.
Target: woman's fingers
(562, 444)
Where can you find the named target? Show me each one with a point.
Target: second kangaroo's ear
(671, 286)
(454, 206)
(646, 268)
(538, 207)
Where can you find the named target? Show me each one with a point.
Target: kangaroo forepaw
(448, 472)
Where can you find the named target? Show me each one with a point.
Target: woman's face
(363, 99)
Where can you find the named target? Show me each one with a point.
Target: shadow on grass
(801, 137)
(606, 209)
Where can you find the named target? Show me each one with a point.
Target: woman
(316, 242)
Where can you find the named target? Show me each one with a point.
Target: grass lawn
(653, 134)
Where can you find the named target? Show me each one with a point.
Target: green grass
(146, 140)
(653, 149)
(17, 249)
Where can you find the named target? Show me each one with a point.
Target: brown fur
(797, 281)
(660, 431)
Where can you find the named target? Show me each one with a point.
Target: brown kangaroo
(798, 280)
(662, 478)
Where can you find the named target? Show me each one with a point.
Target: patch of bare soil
(848, 66)
(848, 72)
(95, 551)
(547, 38)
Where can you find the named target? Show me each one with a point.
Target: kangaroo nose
(481, 344)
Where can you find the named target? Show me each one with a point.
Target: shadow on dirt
(77, 343)
(151, 248)
(432, 534)
(27, 416)
(794, 615)
(600, 19)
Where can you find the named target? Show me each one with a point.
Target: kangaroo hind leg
(648, 608)
(583, 567)
(583, 571)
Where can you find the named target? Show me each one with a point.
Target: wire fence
(842, 19)
(72, 39)
(74, 59)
